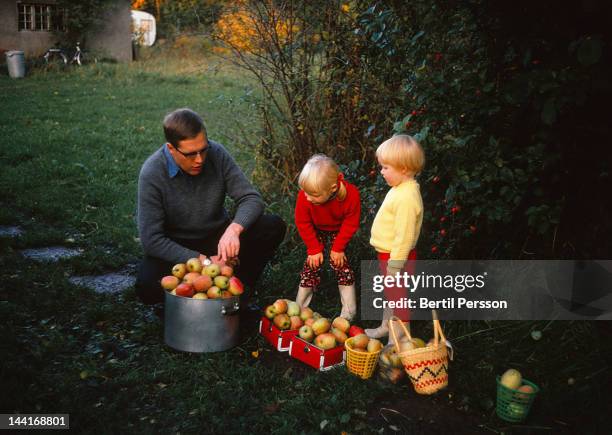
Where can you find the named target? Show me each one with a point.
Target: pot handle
(228, 311)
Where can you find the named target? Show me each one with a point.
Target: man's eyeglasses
(192, 155)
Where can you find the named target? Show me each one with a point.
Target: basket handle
(392, 321)
(438, 333)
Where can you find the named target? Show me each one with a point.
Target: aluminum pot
(201, 325)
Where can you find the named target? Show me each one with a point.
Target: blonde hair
(319, 174)
(403, 152)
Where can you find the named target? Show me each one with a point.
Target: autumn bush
(508, 101)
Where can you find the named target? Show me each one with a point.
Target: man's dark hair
(182, 124)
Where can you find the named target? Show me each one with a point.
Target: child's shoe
(383, 329)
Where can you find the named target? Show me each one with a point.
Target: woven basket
(360, 362)
(427, 367)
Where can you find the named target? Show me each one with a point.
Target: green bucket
(514, 405)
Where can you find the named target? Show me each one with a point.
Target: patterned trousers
(311, 277)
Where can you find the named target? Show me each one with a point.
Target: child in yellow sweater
(397, 224)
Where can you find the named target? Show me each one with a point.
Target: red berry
(372, 173)
(414, 112)
(455, 209)
(408, 124)
(473, 228)
(443, 219)
(436, 179)
(442, 232)
(434, 249)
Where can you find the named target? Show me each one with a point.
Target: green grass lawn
(73, 143)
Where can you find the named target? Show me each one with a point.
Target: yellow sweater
(397, 224)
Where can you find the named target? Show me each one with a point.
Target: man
(181, 191)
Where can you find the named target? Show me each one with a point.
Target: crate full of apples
(281, 321)
(203, 280)
(320, 343)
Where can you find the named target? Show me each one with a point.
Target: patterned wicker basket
(427, 367)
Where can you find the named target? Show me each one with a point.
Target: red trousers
(397, 293)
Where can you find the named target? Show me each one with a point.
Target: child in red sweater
(327, 212)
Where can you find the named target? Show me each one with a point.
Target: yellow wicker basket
(360, 362)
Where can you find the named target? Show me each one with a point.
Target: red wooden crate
(315, 357)
(279, 339)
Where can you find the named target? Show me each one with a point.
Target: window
(41, 17)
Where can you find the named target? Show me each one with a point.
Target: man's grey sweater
(191, 206)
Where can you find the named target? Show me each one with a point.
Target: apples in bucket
(196, 280)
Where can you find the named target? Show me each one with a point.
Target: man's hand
(229, 244)
(338, 259)
(315, 260)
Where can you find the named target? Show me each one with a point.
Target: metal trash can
(201, 325)
(15, 61)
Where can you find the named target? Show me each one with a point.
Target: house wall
(32, 43)
(113, 40)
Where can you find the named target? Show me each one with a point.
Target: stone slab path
(10, 231)
(51, 254)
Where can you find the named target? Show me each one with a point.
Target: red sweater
(335, 215)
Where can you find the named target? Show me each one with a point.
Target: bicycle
(53, 55)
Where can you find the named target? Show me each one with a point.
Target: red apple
(191, 277)
(169, 282)
(296, 322)
(185, 290)
(214, 292)
(282, 321)
(226, 295)
(325, 341)
(355, 330)
(306, 313)
(235, 286)
(202, 283)
(309, 322)
(280, 306)
(227, 271)
(360, 342)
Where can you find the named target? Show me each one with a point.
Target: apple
(169, 282)
(202, 283)
(191, 277)
(221, 281)
(214, 292)
(374, 345)
(511, 379)
(360, 341)
(200, 296)
(270, 312)
(282, 321)
(179, 270)
(296, 322)
(226, 295)
(406, 344)
(184, 289)
(173, 292)
(235, 286)
(227, 270)
(306, 333)
(525, 392)
(321, 326)
(306, 313)
(280, 306)
(194, 265)
(339, 334)
(309, 322)
(325, 341)
(212, 270)
(342, 324)
(355, 330)
(293, 309)
(316, 315)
